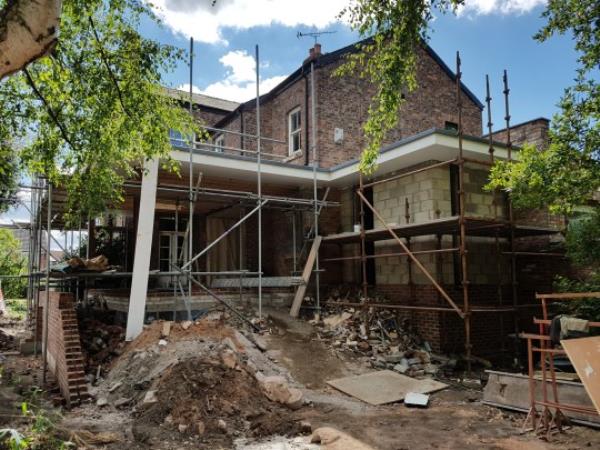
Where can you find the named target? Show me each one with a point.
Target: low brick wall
(65, 360)
(118, 299)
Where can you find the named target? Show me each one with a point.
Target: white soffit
(434, 146)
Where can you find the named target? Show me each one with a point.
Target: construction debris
(383, 339)
(100, 343)
(416, 399)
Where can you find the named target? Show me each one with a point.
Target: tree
(567, 174)
(28, 31)
(388, 59)
(90, 113)
(11, 263)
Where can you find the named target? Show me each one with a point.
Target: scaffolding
(47, 204)
(252, 204)
(461, 226)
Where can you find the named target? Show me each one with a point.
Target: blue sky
(492, 35)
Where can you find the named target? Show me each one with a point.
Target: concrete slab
(511, 391)
(384, 386)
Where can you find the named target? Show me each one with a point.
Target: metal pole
(38, 214)
(259, 183)
(191, 175)
(513, 259)
(47, 306)
(30, 261)
(313, 133)
(363, 258)
(461, 220)
(294, 240)
(175, 278)
(490, 124)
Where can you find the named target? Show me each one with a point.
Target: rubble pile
(100, 344)
(198, 380)
(207, 397)
(383, 339)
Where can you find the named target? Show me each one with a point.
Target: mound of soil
(202, 397)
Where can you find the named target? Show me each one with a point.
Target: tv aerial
(315, 34)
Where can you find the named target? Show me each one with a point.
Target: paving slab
(384, 386)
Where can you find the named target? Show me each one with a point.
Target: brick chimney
(313, 53)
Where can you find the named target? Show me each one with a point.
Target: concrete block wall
(65, 359)
(478, 202)
(428, 195)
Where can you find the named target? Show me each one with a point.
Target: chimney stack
(313, 53)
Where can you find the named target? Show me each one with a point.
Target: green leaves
(90, 114)
(388, 60)
(568, 173)
(12, 262)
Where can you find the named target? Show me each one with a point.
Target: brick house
(421, 206)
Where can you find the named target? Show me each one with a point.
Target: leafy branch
(388, 59)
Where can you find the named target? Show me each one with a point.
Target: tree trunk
(28, 31)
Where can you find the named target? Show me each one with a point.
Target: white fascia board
(430, 147)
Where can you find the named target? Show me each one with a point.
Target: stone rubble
(382, 339)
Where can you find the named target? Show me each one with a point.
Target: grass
(17, 308)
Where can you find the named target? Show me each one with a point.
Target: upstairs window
(294, 129)
(176, 138)
(219, 143)
(451, 126)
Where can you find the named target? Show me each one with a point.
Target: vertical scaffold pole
(175, 278)
(313, 133)
(191, 175)
(47, 306)
(513, 260)
(259, 184)
(490, 124)
(461, 220)
(363, 255)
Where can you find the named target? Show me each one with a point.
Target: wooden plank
(584, 354)
(384, 386)
(310, 261)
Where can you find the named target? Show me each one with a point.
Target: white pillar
(143, 249)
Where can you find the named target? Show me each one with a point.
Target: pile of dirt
(204, 397)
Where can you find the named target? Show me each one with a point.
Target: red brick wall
(532, 132)
(343, 103)
(65, 360)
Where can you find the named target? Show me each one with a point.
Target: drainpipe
(306, 137)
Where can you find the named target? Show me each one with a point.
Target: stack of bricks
(65, 360)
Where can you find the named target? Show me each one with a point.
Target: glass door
(170, 254)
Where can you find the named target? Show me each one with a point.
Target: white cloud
(239, 82)
(485, 7)
(205, 23)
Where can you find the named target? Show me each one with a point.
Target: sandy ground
(455, 418)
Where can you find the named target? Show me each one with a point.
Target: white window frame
(293, 133)
(219, 143)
